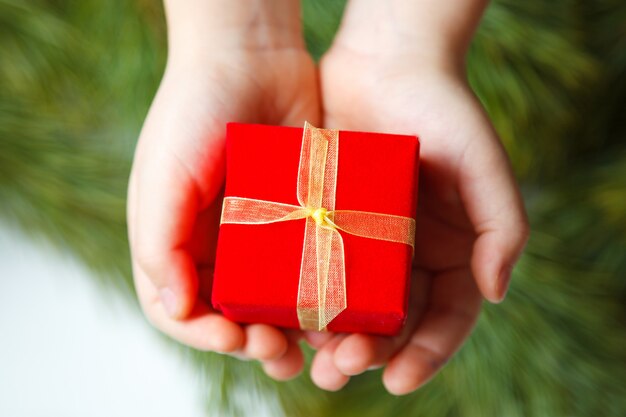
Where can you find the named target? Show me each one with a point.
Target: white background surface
(67, 349)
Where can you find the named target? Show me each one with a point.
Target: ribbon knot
(321, 218)
(322, 285)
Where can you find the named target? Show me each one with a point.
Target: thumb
(163, 206)
(494, 205)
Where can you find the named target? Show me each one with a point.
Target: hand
(242, 70)
(471, 224)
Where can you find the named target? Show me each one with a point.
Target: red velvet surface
(258, 266)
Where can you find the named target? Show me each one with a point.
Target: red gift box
(257, 267)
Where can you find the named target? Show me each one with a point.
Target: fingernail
(169, 301)
(503, 281)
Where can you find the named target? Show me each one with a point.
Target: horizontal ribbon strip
(241, 210)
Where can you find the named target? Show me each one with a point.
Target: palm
(281, 90)
(270, 88)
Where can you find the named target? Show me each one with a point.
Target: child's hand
(243, 64)
(471, 224)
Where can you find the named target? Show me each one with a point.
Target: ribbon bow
(322, 286)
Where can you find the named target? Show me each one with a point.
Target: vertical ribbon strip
(322, 285)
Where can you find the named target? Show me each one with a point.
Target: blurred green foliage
(77, 77)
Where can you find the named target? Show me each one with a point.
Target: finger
(287, 366)
(317, 339)
(494, 205)
(358, 353)
(448, 320)
(264, 342)
(324, 373)
(203, 329)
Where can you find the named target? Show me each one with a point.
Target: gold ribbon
(322, 287)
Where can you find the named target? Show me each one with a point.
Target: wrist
(199, 28)
(432, 30)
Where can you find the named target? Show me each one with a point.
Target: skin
(244, 66)
(395, 66)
